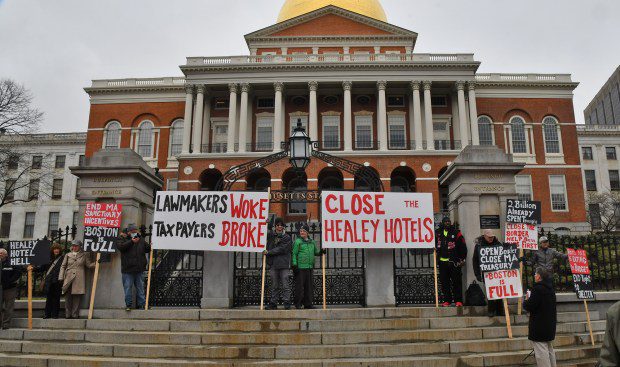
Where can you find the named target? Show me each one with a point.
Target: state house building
(362, 92)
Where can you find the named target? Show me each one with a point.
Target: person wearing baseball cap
(545, 256)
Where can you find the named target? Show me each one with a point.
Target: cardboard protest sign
(525, 236)
(578, 260)
(523, 211)
(497, 258)
(101, 227)
(23, 253)
(582, 279)
(583, 286)
(503, 284)
(377, 220)
(211, 221)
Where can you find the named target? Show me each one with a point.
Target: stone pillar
(243, 117)
(232, 118)
(379, 280)
(187, 121)
(348, 118)
(428, 117)
(206, 124)
(116, 176)
(473, 114)
(217, 287)
(417, 116)
(313, 118)
(200, 103)
(460, 87)
(382, 116)
(278, 129)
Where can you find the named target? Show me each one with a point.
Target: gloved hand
(324, 251)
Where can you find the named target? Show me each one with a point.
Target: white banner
(377, 220)
(503, 284)
(211, 221)
(525, 236)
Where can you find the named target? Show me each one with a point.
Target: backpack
(474, 296)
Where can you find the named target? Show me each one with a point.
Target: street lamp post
(300, 148)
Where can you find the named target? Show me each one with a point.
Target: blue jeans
(136, 280)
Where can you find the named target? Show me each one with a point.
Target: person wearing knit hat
(304, 251)
(278, 254)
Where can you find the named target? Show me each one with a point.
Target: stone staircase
(425, 337)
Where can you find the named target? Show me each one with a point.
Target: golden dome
(369, 8)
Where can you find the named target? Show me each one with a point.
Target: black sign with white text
(495, 258)
(23, 253)
(100, 239)
(583, 286)
(523, 212)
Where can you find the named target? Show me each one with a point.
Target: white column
(278, 129)
(187, 121)
(348, 118)
(473, 114)
(243, 117)
(197, 135)
(428, 116)
(417, 116)
(460, 87)
(206, 122)
(232, 118)
(382, 116)
(313, 119)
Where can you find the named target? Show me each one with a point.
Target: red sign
(102, 215)
(578, 261)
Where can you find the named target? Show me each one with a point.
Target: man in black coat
(3, 256)
(495, 308)
(10, 277)
(133, 250)
(279, 249)
(451, 255)
(541, 304)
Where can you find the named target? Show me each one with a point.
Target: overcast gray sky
(55, 47)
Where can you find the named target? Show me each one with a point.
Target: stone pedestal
(480, 181)
(116, 176)
(217, 288)
(379, 280)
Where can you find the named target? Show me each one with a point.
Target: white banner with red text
(377, 220)
(503, 284)
(525, 236)
(211, 221)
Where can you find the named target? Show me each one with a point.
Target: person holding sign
(133, 264)
(541, 304)
(51, 285)
(279, 249)
(543, 258)
(452, 252)
(73, 277)
(304, 251)
(495, 307)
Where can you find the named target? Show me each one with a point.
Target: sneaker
(127, 308)
(446, 304)
(287, 306)
(459, 304)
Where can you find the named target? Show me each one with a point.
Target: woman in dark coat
(541, 304)
(52, 287)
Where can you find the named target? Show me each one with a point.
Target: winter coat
(279, 249)
(543, 315)
(10, 276)
(73, 272)
(610, 352)
(133, 258)
(481, 241)
(451, 246)
(52, 271)
(304, 252)
(543, 258)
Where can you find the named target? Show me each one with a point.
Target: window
(396, 101)
(519, 142)
(37, 161)
(52, 224)
(552, 138)
(363, 132)
(9, 189)
(396, 132)
(13, 162)
(590, 176)
(524, 187)
(33, 189)
(172, 185)
(81, 160)
(611, 153)
(557, 186)
(60, 161)
(176, 138)
(221, 103)
(29, 225)
(5, 225)
(77, 188)
(331, 132)
(74, 220)
(614, 180)
(145, 140)
(485, 130)
(594, 210)
(439, 101)
(264, 133)
(57, 189)
(265, 102)
(586, 153)
(112, 135)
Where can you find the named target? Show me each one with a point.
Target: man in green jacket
(610, 352)
(304, 251)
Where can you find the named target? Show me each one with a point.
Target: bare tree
(605, 216)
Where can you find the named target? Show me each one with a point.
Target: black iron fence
(414, 277)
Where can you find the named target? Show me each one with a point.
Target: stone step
(579, 363)
(584, 338)
(520, 358)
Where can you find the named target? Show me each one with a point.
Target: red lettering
(225, 233)
(342, 208)
(328, 200)
(379, 204)
(429, 237)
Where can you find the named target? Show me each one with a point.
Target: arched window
(112, 136)
(485, 130)
(176, 138)
(145, 139)
(519, 139)
(552, 138)
(402, 179)
(330, 179)
(294, 180)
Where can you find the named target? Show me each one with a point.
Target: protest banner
(377, 220)
(211, 221)
(525, 236)
(499, 257)
(582, 280)
(523, 211)
(102, 222)
(504, 284)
